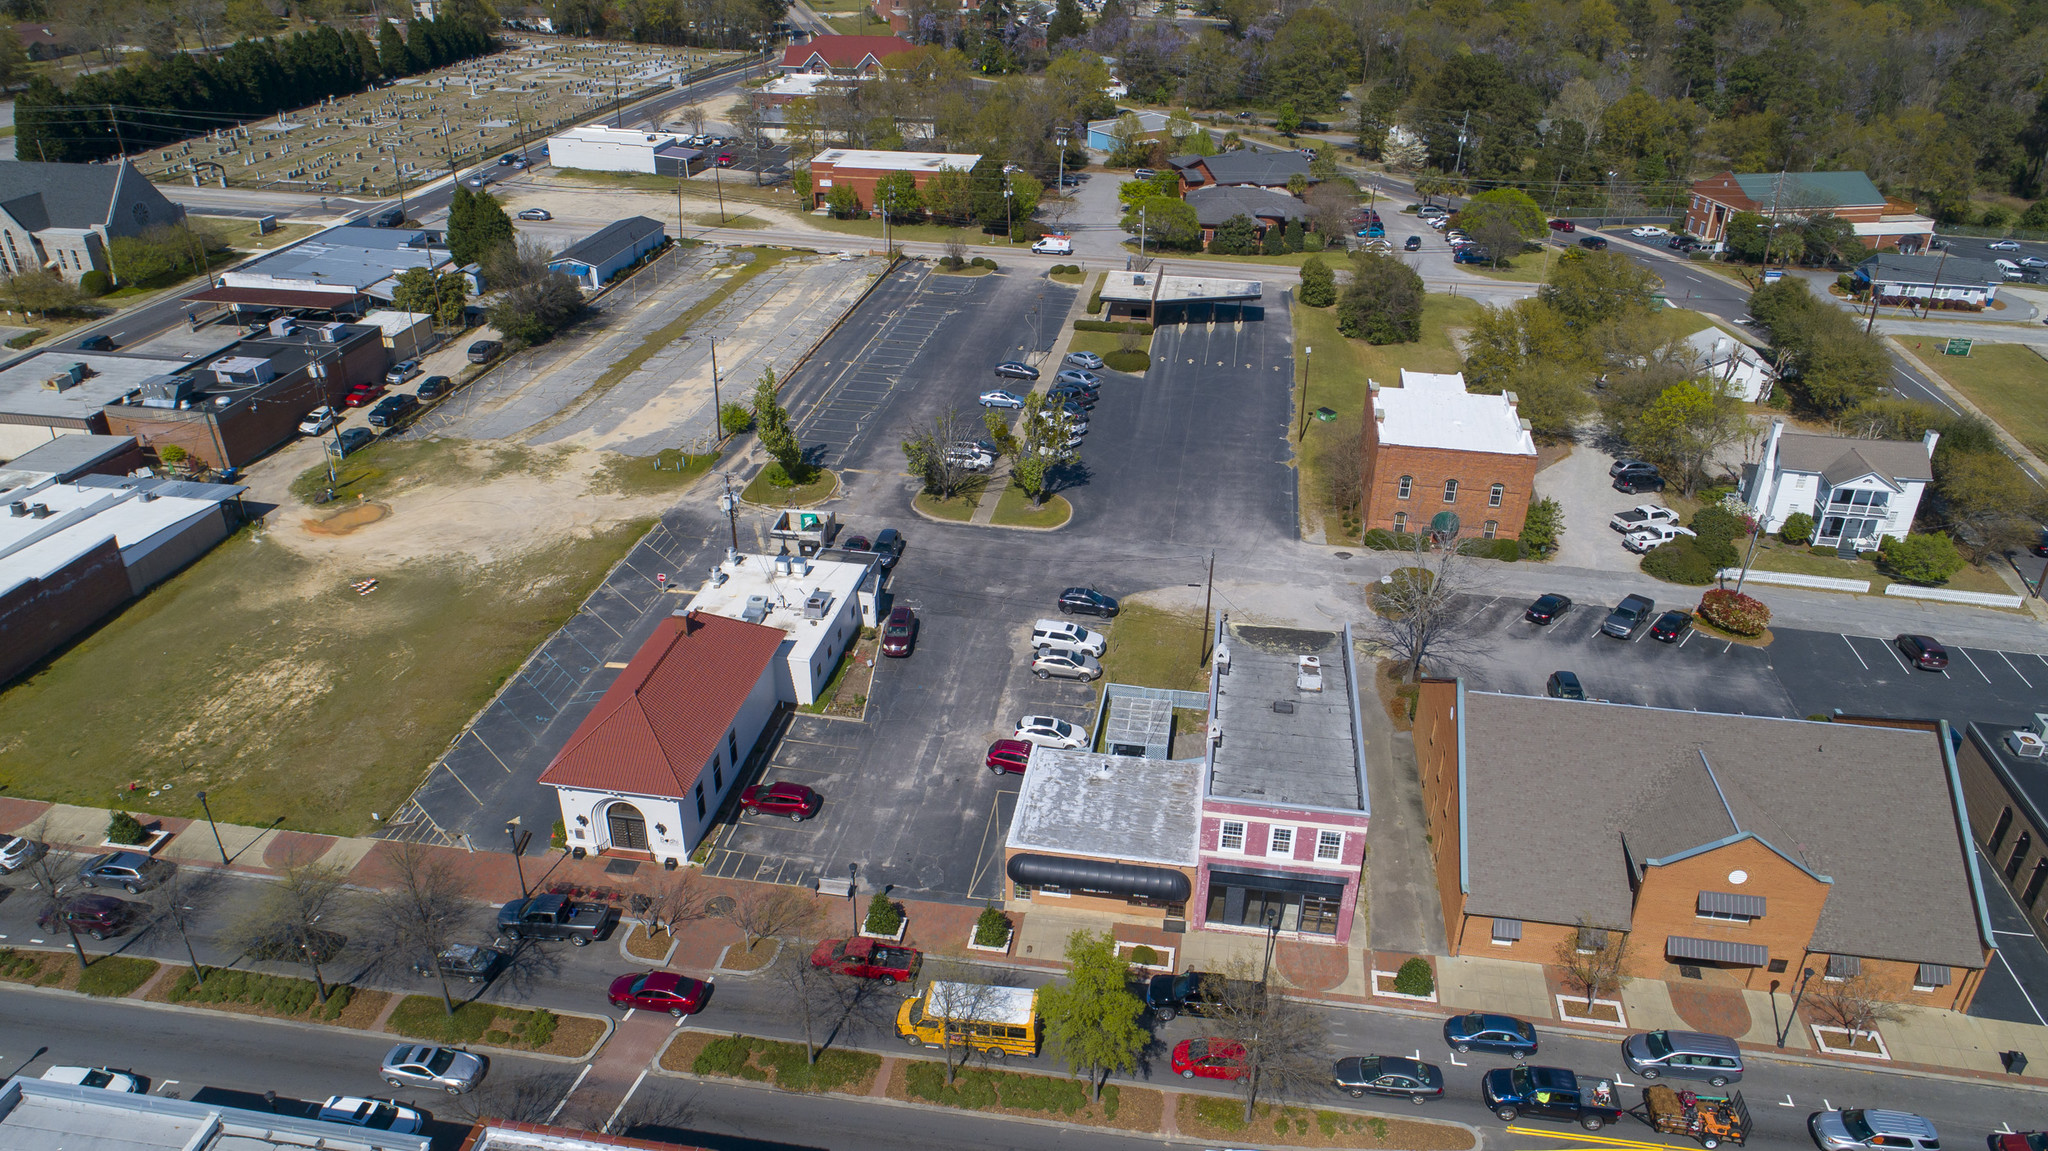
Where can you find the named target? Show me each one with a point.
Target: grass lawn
(242, 233)
(259, 691)
(906, 233)
(642, 181)
(1013, 509)
(1103, 343)
(1152, 647)
(1067, 277)
(768, 495)
(1774, 554)
(2008, 381)
(731, 220)
(959, 509)
(1291, 260)
(669, 471)
(1527, 268)
(1337, 381)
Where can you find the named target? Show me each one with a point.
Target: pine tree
(461, 226)
(391, 56)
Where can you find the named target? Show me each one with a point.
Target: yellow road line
(1594, 1142)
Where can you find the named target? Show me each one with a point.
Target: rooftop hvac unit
(39, 511)
(332, 333)
(2026, 744)
(2041, 724)
(756, 609)
(817, 604)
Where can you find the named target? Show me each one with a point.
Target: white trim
(1619, 1011)
(1274, 836)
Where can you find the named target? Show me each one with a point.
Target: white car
(1065, 664)
(1059, 635)
(318, 420)
(1643, 539)
(1649, 232)
(1001, 399)
(1046, 731)
(105, 1077)
(17, 852)
(971, 456)
(376, 1114)
(1642, 516)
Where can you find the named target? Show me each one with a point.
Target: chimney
(1514, 401)
(1929, 440)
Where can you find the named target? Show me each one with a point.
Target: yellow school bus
(997, 1021)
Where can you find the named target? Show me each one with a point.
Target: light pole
(216, 828)
(1060, 138)
(1141, 233)
(1306, 353)
(512, 834)
(1272, 941)
(1007, 225)
(852, 893)
(1804, 975)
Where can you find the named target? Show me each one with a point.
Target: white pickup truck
(1643, 539)
(1642, 516)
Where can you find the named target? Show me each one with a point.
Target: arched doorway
(627, 827)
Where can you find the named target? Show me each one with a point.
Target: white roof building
(1433, 410)
(1116, 807)
(596, 148)
(820, 603)
(42, 1116)
(861, 159)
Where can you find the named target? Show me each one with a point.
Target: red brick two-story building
(1880, 223)
(1430, 446)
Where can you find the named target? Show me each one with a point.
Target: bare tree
(956, 246)
(422, 908)
(50, 879)
(692, 117)
(959, 995)
(821, 1000)
(1423, 609)
(174, 904)
(772, 910)
(929, 455)
(524, 1098)
(1856, 1004)
(1593, 959)
(671, 899)
(296, 920)
(1285, 1044)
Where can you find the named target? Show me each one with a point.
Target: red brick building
(1879, 223)
(859, 169)
(862, 56)
(1430, 446)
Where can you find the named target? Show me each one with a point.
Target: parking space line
(2016, 670)
(1854, 652)
(1973, 663)
(1893, 652)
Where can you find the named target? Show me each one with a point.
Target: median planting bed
(275, 996)
(111, 976)
(767, 1061)
(494, 1025)
(1032, 1096)
(1221, 1117)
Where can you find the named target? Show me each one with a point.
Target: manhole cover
(721, 906)
(1343, 555)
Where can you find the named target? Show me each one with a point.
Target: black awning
(1295, 882)
(1716, 951)
(1095, 875)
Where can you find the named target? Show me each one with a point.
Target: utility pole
(1306, 353)
(717, 405)
(1464, 127)
(1208, 595)
(116, 124)
(718, 178)
(730, 503)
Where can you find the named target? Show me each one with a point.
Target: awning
(1097, 875)
(1932, 975)
(275, 298)
(1507, 929)
(1258, 879)
(1716, 951)
(1727, 903)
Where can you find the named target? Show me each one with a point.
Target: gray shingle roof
(610, 240)
(1954, 271)
(1839, 460)
(1215, 205)
(1556, 791)
(1244, 166)
(58, 195)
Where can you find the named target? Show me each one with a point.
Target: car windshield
(378, 1115)
(1519, 1077)
(1658, 1043)
(640, 984)
(96, 1078)
(1858, 1128)
(444, 1058)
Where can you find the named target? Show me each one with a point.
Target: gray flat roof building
(1109, 807)
(41, 1116)
(26, 387)
(1286, 706)
(344, 260)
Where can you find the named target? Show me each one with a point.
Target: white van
(1054, 246)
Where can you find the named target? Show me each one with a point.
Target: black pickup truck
(556, 917)
(1549, 1093)
(1189, 993)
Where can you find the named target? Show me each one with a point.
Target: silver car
(132, 871)
(1088, 360)
(1065, 665)
(440, 1068)
(17, 852)
(1857, 1129)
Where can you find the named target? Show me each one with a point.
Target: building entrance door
(628, 827)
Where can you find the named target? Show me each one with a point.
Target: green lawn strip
(1103, 343)
(784, 1064)
(729, 220)
(270, 709)
(113, 976)
(426, 1017)
(825, 699)
(1067, 277)
(908, 233)
(643, 181)
(1223, 1114)
(1775, 555)
(670, 470)
(279, 994)
(2009, 382)
(765, 493)
(1527, 268)
(662, 337)
(1013, 509)
(1290, 260)
(1153, 647)
(979, 1089)
(960, 508)
(1337, 380)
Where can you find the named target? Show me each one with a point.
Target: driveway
(1579, 483)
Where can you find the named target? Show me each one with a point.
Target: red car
(1923, 651)
(1563, 226)
(679, 995)
(899, 635)
(868, 959)
(363, 394)
(791, 799)
(1008, 756)
(2022, 1141)
(724, 160)
(1208, 1059)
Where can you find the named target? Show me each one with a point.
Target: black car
(1671, 626)
(434, 386)
(1016, 370)
(1631, 483)
(462, 961)
(1087, 601)
(1597, 243)
(1413, 244)
(889, 545)
(96, 344)
(353, 439)
(392, 409)
(1191, 993)
(1070, 394)
(1394, 1075)
(1924, 651)
(389, 218)
(1547, 608)
(1565, 685)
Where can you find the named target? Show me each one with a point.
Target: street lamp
(216, 829)
(1272, 941)
(1060, 138)
(1006, 212)
(1793, 1017)
(512, 834)
(1141, 233)
(852, 898)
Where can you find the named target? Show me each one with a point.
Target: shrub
(1415, 977)
(1731, 611)
(1493, 549)
(1798, 528)
(884, 917)
(979, 261)
(1133, 362)
(989, 264)
(1924, 557)
(1380, 539)
(734, 418)
(1094, 302)
(124, 828)
(1113, 326)
(558, 836)
(1144, 956)
(95, 283)
(172, 455)
(1318, 284)
(113, 976)
(992, 928)
(778, 476)
(1682, 561)
(1715, 530)
(26, 338)
(1542, 526)
(540, 1026)
(727, 1057)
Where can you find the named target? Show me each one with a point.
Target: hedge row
(1502, 548)
(1117, 326)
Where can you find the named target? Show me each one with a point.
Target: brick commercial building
(1733, 849)
(858, 169)
(1430, 446)
(1791, 197)
(2007, 791)
(863, 57)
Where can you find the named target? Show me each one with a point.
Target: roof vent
(18, 508)
(147, 497)
(39, 511)
(817, 604)
(1308, 674)
(1284, 706)
(756, 609)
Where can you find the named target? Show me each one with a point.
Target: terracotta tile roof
(844, 51)
(661, 720)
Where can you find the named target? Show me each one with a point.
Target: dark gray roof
(1562, 796)
(1931, 269)
(1215, 205)
(1302, 753)
(610, 240)
(58, 195)
(1839, 460)
(1244, 166)
(66, 456)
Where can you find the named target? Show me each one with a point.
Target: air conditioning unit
(2026, 744)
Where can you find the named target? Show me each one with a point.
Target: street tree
(1285, 1042)
(297, 919)
(970, 992)
(826, 1004)
(1237, 236)
(1984, 498)
(692, 116)
(50, 879)
(1501, 221)
(1164, 222)
(1091, 1020)
(1047, 435)
(928, 457)
(1424, 609)
(769, 911)
(479, 225)
(1593, 959)
(897, 195)
(670, 899)
(175, 905)
(777, 435)
(1592, 288)
(421, 906)
(533, 312)
(1857, 1003)
(1383, 302)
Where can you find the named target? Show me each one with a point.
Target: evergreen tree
(1066, 23)
(461, 214)
(485, 227)
(391, 51)
(1294, 234)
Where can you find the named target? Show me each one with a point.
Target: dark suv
(1189, 993)
(1638, 477)
(1628, 615)
(392, 410)
(1087, 601)
(100, 916)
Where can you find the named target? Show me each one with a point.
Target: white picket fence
(1788, 579)
(1949, 595)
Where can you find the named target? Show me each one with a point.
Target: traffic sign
(1956, 348)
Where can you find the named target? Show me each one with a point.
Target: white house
(817, 605)
(646, 770)
(1734, 365)
(1855, 490)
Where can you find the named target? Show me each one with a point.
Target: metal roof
(1729, 903)
(1716, 951)
(1307, 755)
(608, 241)
(1076, 802)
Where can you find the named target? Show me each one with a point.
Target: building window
(732, 746)
(700, 801)
(1495, 494)
(1330, 846)
(1492, 528)
(1930, 976)
(1842, 967)
(1998, 831)
(2034, 883)
(717, 773)
(2019, 855)
(1450, 491)
(1280, 841)
(1232, 837)
(1407, 485)
(1400, 521)
(1319, 915)
(1506, 931)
